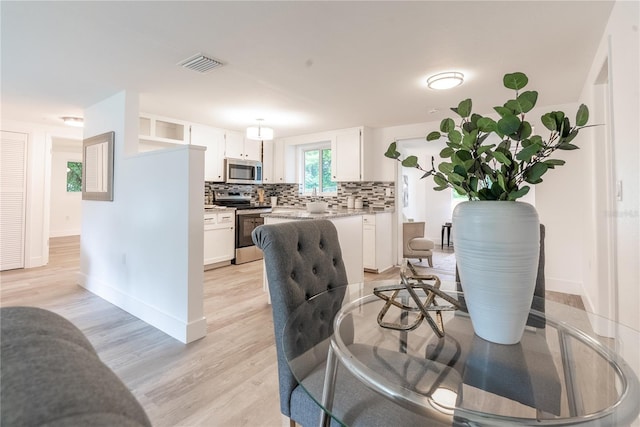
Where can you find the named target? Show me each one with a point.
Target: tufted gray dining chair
(303, 259)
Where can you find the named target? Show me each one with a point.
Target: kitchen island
(349, 226)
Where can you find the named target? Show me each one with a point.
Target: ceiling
(302, 66)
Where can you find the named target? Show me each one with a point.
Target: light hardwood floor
(228, 378)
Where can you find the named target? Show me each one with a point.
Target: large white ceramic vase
(497, 247)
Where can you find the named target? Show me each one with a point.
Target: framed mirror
(97, 173)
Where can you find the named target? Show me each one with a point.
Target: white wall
(618, 58)
(143, 251)
(66, 207)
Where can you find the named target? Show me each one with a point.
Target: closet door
(13, 158)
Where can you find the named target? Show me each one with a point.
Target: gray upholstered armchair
(303, 259)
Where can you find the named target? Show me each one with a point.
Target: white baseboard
(63, 233)
(185, 332)
(564, 286)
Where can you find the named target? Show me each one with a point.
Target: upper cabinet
(161, 132)
(278, 162)
(239, 147)
(214, 140)
(349, 161)
(346, 153)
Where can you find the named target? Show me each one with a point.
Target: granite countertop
(301, 213)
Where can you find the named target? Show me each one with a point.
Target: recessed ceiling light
(73, 121)
(446, 80)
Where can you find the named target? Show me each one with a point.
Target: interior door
(13, 158)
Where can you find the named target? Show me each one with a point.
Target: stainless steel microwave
(239, 171)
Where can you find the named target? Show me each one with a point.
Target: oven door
(245, 223)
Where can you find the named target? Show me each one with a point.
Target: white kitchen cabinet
(158, 132)
(346, 148)
(239, 147)
(214, 140)
(278, 162)
(377, 244)
(219, 238)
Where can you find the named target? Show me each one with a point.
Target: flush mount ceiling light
(447, 80)
(73, 121)
(259, 132)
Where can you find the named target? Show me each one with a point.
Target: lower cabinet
(219, 239)
(376, 240)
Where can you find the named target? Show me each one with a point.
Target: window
(74, 176)
(317, 170)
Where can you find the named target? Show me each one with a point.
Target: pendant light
(259, 132)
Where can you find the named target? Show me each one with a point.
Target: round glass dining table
(561, 372)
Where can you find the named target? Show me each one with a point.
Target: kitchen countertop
(301, 213)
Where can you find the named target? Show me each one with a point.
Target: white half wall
(143, 251)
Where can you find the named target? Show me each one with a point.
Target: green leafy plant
(486, 171)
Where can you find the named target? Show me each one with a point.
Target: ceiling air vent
(200, 63)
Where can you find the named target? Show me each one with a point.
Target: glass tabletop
(561, 373)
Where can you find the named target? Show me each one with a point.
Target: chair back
(302, 259)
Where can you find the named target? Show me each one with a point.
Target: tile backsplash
(373, 194)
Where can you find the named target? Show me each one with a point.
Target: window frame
(302, 149)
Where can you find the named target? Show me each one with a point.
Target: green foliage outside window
(74, 176)
(317, 171)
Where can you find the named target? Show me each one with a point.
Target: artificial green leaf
(462, 155)
(391, 152)
(516, 194)
(455, 178)
(582, 116)
(514, 106)
(483, 149)
(503, 111)
(440, 188)
(469, 139)
(445, 167)
(515, 81)
(532, 175)
(460, 170)
(455, 136)
(473, 183)
(508, 125)
(528, 152)
(440, 180)
(554, 162)
(474, 118)
(567, 146)
(549, 121)
(501, 181)
(571, 136)
(525, 130)
(469, 126)
(528, 100)
(565, 129)
(433, 136)
(410, 162)
(446, 152)
(537, 139)
(559, 118)
(464, 108)
(447, 125)
(501, 158)
(486, 124)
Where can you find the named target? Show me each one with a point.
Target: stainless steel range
(247, 218)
